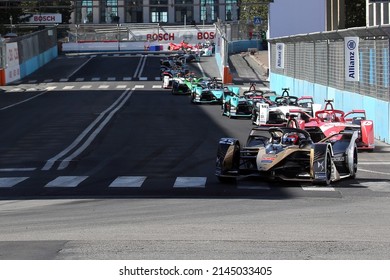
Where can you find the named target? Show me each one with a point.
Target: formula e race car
(182, 85)
(234, 105)
(277, 113)
(288, 154)
(260, 94)
(207, 90)
(329, 121)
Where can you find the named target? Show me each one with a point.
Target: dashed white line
(66, 181)
(190, 182)
(128, 182)
(9, 182)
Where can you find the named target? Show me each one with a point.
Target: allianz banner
(351, 59)
(279, 56)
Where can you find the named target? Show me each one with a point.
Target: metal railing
(319, 58)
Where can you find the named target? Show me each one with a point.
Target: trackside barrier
(227, 76)
(2, 77)
(350, 66)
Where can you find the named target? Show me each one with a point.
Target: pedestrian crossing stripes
(138, 182)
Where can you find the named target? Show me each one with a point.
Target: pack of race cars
(294, 138)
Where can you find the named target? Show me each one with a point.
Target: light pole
(10, 19)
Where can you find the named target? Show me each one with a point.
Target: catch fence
(319, 58)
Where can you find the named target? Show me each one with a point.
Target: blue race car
(207, 91)
(234, 105)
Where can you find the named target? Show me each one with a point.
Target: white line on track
(128, 182)
(28, 99)
(374, 172)
(66, 181)
(9, 182)
(103, 119)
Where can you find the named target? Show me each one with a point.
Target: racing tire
(328, 168)
(355, 163)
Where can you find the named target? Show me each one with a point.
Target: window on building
(134, 11)
(231, 10)
(184, 10)
(208, 10)
(159, 11)
(109, 11)
(84, 11)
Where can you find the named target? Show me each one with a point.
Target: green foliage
(355, 13)
(248, 10)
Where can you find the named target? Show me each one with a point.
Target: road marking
(95, 79)
(96, 126)
(28, 99)
(319, 189)
(127, 78)
(66, 182)
(79, 79)
(128, 182)
(86, 87)
(156, 86)
(121, 86)
(64, 80)
(374, 172)
(143, 78)
(32, 81)
(190, 182)
(104, 86)
(373, 163)
(51, 88)
(48, 80)
(111, 79)
(9, 182)
(21, 169)
(157, 78)
(253, 187)
(68, 87)
(139, 86)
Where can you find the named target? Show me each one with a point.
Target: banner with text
(280, 56)
(351, 59)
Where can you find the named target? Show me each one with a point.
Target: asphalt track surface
(93, 152)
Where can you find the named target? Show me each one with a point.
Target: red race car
(330, 121)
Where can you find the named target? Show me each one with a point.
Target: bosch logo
(351, 45)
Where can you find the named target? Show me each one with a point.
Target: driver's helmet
(290, 139)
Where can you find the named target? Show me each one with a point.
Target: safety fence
(22, 55)
(350, 66)
(320, 58)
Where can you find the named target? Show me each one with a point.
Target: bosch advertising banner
(46, 18)
(279, 56)
(351, 59)
(190, 35)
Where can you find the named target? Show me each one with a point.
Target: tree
(355, 13)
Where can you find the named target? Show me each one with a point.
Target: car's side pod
(228, 158)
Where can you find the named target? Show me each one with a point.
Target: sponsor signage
(279, 56)
(351, 59)
(12, 66)
(46, 18)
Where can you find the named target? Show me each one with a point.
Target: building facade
(377, 12)
(154, 11)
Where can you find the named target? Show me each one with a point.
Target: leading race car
(329, 121)
(289, 154)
